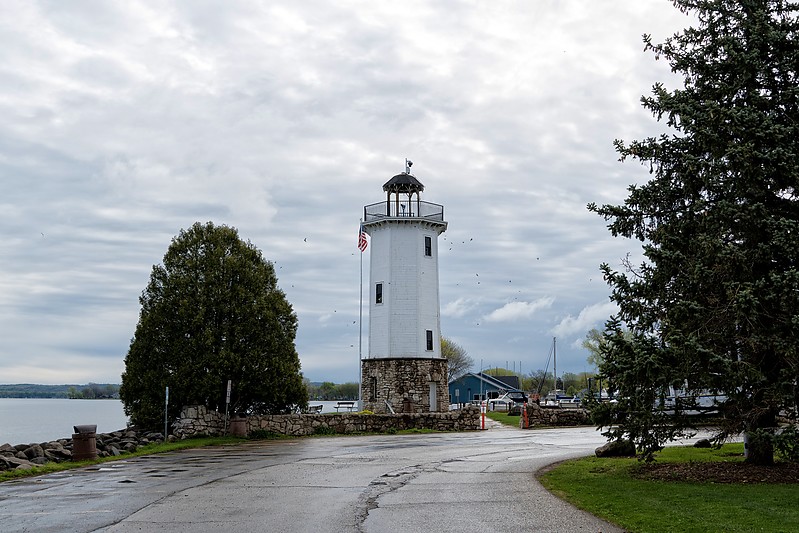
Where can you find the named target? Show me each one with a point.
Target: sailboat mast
(555, 362)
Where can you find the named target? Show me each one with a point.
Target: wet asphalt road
(476, 481)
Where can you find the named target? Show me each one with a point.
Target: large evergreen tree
(211, 313)
(715, 305)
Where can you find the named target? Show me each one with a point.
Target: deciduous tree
(458, 360)
(714, 305)
(212, 312)
(541, 381)
(593, 342)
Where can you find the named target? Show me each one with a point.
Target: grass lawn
(503, 418)
(606, 488)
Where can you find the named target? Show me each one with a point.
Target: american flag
(362, 244)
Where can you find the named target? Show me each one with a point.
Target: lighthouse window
(379, 293)
(429, 340)
(428, 246)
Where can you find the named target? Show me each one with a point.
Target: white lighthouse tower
(404, 370)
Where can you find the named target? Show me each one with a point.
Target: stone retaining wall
(197, 420)
(554, 416)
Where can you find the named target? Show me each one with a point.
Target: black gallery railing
(410, 209)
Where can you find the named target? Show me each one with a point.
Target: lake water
(26, 420)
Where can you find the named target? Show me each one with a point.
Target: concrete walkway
(476, 481)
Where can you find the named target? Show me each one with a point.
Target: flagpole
(360, 331)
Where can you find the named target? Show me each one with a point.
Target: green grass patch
(503, 418)
(149, 449)
(607, 488)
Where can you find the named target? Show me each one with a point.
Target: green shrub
(786, 443)
(264, 434)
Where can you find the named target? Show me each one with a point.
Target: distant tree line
(568, 382)
(94, 391)
(542, 382)
(32, 390)
(332, 391)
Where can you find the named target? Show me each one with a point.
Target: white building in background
(404, 370)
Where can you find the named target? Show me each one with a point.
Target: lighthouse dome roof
(404, 182)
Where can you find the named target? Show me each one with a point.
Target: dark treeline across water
(33, 390)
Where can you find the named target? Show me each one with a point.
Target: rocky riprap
(24, 456)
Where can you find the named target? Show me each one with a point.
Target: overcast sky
(124, 122)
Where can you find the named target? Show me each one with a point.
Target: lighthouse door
(433, 399)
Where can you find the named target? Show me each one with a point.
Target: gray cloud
(125, 122)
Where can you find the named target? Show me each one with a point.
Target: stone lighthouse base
(408, 385)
